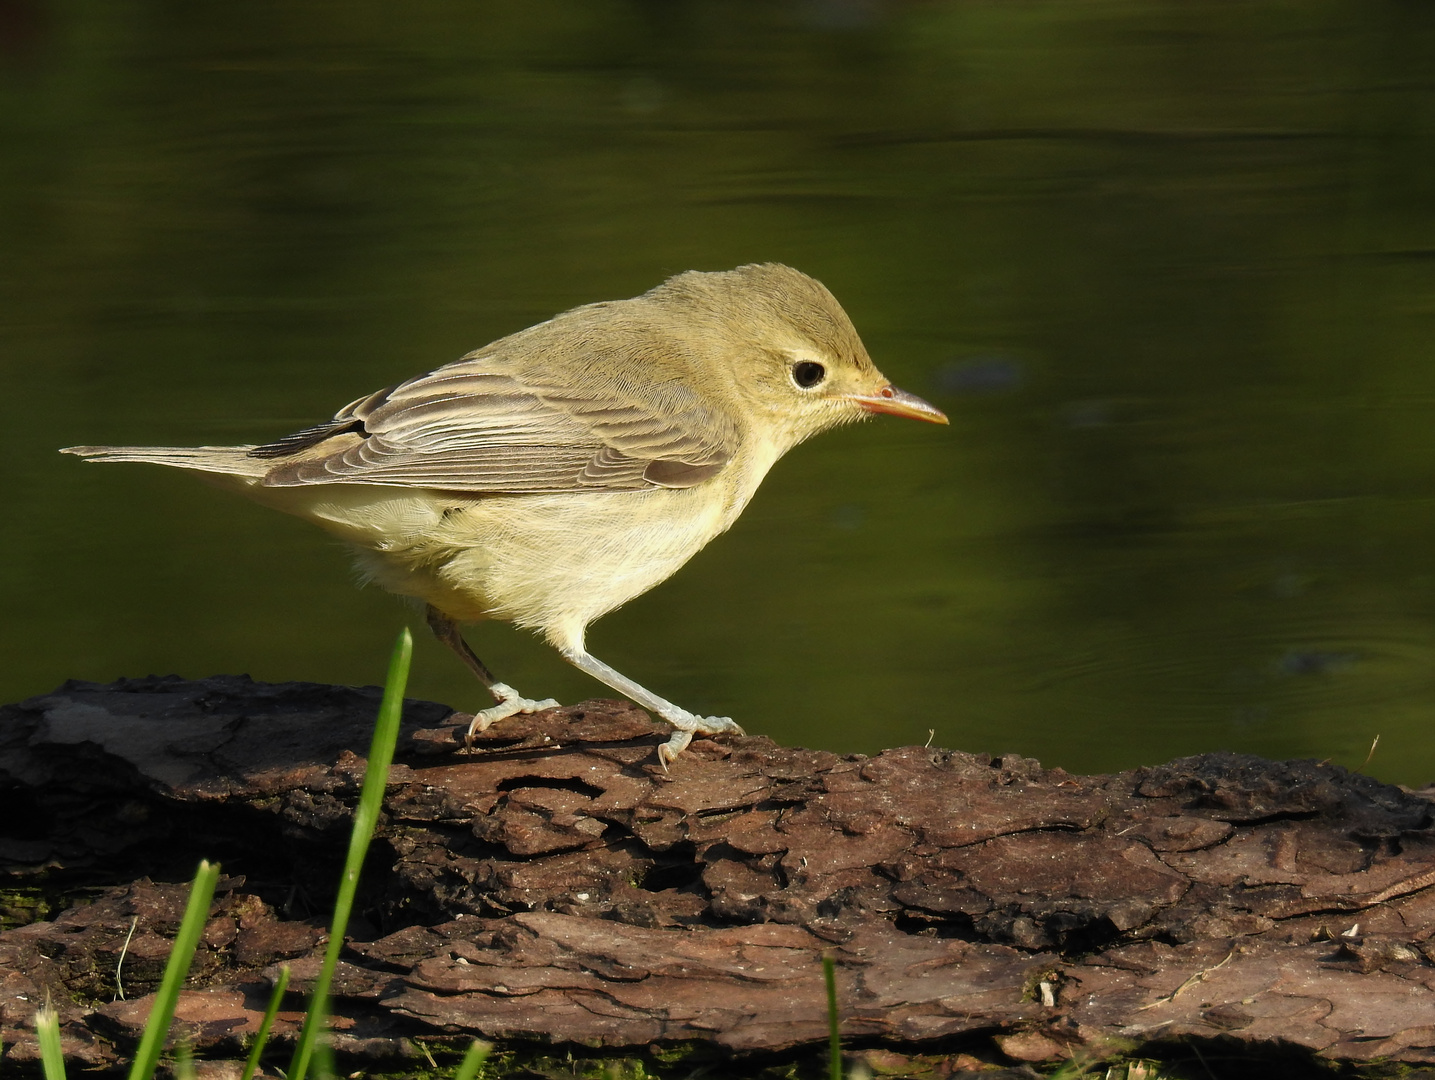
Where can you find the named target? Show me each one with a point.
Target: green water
(1170, 268)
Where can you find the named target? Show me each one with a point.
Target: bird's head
(789, 352)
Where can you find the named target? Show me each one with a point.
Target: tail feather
(225, 460)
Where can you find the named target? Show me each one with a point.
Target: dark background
(1170, 268)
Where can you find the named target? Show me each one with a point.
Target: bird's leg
(508, 700)
(686, 724)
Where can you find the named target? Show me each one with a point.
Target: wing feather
(470, 427)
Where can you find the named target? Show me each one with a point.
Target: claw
(676, 744)
(687, 725)
(510, 703)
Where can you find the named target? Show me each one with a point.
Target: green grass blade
(321, 1065)
(181, 954)
(473, 1060)
(834, 1035)
(47, 1031)
(366, 817)
(281, 984)
(184, 1061)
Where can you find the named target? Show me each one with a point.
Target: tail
(224, 460)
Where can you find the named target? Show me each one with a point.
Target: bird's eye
(808, 373)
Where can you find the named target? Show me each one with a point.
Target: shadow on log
(556, 884)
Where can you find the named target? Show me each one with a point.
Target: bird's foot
(675, 745)
(702, 725)
(687, 725)
(510, 703)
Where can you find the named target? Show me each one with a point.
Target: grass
(310, 1049)
(473, 1060)
(366, 817)
(47, 1031)
(181, 954)
(834, 1024)
(281, 984)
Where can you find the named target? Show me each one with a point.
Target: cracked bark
(557, 885)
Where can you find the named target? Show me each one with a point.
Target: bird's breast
(539, 560)
(566, 559)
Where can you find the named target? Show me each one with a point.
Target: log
(555, 884)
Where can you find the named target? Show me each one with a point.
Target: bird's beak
(899, 403)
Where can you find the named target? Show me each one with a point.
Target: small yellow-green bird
(557, 473)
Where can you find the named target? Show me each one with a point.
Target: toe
(718, 725)
(675, 745)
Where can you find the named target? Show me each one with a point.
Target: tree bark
(555, 884)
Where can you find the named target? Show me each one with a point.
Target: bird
(553, 475)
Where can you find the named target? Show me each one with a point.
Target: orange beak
(899, 403)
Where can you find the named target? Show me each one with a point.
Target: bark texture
(556, 884)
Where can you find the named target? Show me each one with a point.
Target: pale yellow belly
(550, 562)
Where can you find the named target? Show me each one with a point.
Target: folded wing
(469, 427)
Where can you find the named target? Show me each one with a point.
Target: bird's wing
(467, 427)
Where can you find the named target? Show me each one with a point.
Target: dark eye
(808, 373)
